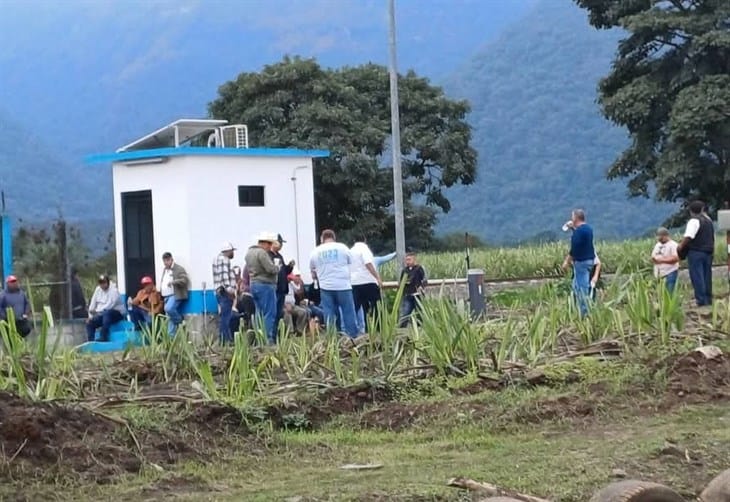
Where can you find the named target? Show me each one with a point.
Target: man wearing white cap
(264, 274)
(224, 282)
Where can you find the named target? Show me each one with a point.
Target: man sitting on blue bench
(146, 304)
(105, 309)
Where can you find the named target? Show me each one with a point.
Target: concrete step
(121, 336)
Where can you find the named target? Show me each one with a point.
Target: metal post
(477, 305)
(400, 238)
(69, 284)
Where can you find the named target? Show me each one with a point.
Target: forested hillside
(543, 146)
(78, 78)
(41, 182)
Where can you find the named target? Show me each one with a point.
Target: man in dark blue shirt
(582, 255)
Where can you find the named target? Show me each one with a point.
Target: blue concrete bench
(121, 336)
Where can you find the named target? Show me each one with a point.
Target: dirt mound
(331, 403)
(558, 408)
(398, 416)
(694, 378)
(290, 414)
(47, 439)
(217, 417)
(40, 436)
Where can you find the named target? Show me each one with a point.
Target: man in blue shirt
(582, 256)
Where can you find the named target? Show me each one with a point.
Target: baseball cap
(12, 278)
(280, 239)
(146, 280)
(228, 246)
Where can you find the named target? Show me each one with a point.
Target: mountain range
(79, 77)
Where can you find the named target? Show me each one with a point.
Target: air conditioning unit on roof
(230, 136)
(234, 136)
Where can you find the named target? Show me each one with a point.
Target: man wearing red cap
(146, 304)
(14, 298)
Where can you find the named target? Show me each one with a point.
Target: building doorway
(138, 238)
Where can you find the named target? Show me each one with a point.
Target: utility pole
(400, 236)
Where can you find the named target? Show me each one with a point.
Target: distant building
(194, 184)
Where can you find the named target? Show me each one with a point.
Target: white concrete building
(171, 195)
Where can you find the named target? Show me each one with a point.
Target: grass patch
(553, 460)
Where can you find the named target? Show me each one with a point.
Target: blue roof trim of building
(198, 150)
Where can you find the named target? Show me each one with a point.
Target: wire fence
(43, 264)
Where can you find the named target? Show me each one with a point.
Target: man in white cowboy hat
(224, 282)
(263, 276)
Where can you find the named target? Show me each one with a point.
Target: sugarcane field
(530, 401)
(365, 251)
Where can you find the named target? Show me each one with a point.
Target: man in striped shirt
(224, 282)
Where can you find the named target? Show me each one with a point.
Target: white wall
(215, 215)
(169, 207)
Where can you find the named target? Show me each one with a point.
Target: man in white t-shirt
(665, 259)
(366, 281)
(330, 265)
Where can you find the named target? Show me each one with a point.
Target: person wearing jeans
(263, 274)
(146, 304)
(698, 245)
(330, 264)
(224, 281)
(413, 278)
(582, 283)
(342, 300)
(666, 260)
(582, 256)
(224, 297)
(105, 309)
(174, 289)
(700, 274)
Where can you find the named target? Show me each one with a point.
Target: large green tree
(670, 88)
(298, 103)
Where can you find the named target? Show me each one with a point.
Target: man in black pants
(365, 280)
(414, 277)
(698, 246)
(282, 282)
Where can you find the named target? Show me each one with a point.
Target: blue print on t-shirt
(329, 256)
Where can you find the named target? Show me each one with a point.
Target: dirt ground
(47, 441)
(692, 379)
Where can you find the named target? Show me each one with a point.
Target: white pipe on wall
(296, 210)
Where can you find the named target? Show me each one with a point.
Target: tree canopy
(670, 88)
(297, 103)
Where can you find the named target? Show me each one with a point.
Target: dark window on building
(250, 196)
